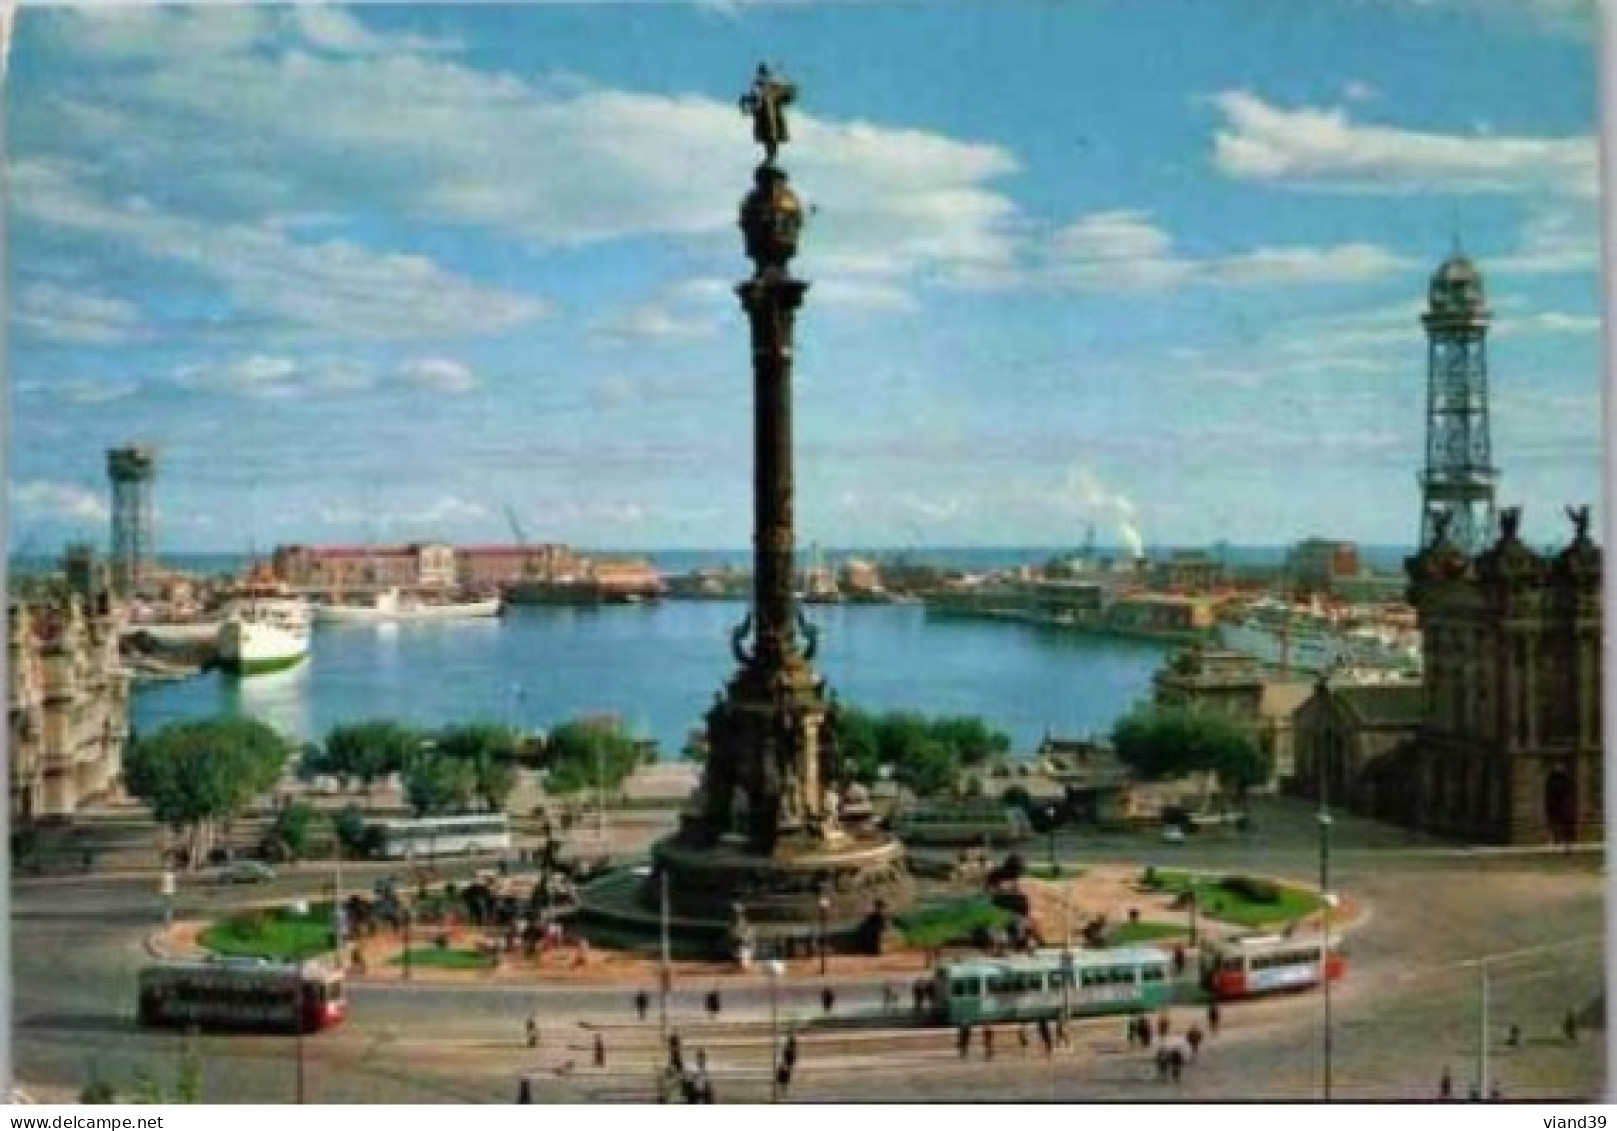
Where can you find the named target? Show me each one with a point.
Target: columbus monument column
(762, 843)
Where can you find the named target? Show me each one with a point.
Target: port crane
(522, 540)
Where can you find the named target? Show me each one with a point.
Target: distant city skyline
(387, 273)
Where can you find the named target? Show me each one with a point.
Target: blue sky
(379, 273)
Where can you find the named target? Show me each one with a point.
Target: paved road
(1406, 1011)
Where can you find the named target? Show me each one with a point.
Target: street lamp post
(665, 975)
(824, 941)
(1329, 900)
(404, 917)
(337, 923)
(600, 794)
(1050, 824)
(165, 888)
(1194, 907)
(775, 968)
(1482, 1030)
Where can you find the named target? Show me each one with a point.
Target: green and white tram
(1081, 983)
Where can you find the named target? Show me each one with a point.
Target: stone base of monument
(722, 896)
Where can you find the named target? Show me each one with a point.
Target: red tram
(249, 994)
(1254, 965)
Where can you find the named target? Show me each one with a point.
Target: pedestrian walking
(1162, 1064)
(1569, 1028)
(828, 999)
(1062, 1039)
(1178, 962)
(1193, 1038)
(676, 1058)
(524, 1091)
(600, 1051)
(714, 1005)
(532, 1030)
(1145, 1033)
(1022, 1038)
(962, 1041)
(783, 1076)
(789, 1052)
(1176, 1063)
(1212, 1018)
(1514, 1037)
(918, 996)
(1445, 1085)
(1045, 1038)
(1162, 1027)
(1134, 1031)
(988, 1042)
(642, 1003)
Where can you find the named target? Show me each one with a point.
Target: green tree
(491, 751)
(971, 739)
(925, 754)
(434, 783)
(369, 751)
(584, 755)
(1165, 741)
(292, 828)
(197, 775)
(349, 828)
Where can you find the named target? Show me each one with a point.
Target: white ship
(265, 629)
(393, 607)
(1306, 639)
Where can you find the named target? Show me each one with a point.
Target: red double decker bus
(1264, 964)
(249, 994)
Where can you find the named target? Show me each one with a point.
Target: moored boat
(393, 607)
(266, 629)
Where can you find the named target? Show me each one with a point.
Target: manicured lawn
(276, 933)
(1126, 934)
(443, 958)
(951, 922)
(1217, 902)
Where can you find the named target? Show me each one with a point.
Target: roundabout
(1407, 1008)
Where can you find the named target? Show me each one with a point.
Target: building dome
(1457, 287)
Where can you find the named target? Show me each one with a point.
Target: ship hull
(250, 647)
(360, 614)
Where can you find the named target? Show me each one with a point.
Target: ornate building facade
(68, 707)
(1500, 743)
(1510, 748)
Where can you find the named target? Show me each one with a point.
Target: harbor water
(657, 667)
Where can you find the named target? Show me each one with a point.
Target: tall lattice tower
(132, 471)
(1457, 487)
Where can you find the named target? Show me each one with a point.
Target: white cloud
(1548, 322)
(1560, 238)
(554, 162)
(1126, 249)
(1355, 90)
(266, 377)
(60, 313)
(445, 509)
(439, 374)
(40, 498)
(333, 288)
(76, 390)
(1325, 148)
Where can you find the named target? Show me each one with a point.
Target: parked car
(246, 872)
